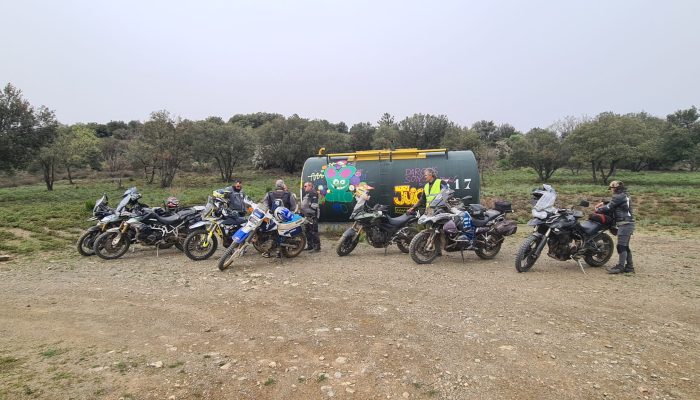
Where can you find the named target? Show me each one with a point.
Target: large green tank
(397, 177)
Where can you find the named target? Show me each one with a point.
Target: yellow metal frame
(400, 154)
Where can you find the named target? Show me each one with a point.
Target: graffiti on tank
(341, 178)
(315, 176)
(415, 175)
(406, 195)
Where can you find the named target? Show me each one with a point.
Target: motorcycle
(566, 237)
(380, 230)
(449, 227)
(87, 239)
(204, 236)
(148, 227)
(281, 231)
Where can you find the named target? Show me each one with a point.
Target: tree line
(32, 139)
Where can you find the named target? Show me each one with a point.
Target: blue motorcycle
(280, 231)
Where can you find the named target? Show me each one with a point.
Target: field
(366, 326)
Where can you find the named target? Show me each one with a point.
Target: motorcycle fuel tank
(396, 177)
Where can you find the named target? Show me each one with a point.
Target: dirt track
(363, 326)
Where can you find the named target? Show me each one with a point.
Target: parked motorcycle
(280, 231)
(380, 230)
(108, 218)
(451, 227)
(147, 227)
(204, 236)
(566, 237)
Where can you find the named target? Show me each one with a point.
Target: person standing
(280, 197)
(311, 211)
(433, 186)
(237, 200)
(620, 208)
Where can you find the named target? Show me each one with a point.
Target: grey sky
(527, 63)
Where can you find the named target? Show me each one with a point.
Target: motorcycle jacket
(280, 198)
(620, 207)
(309, 205)
(236, 202)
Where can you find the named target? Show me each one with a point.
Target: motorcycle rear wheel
(487, 253)
(347, 244)
(404, 243)
(198, 246)
(86, 243)
(605, 242)
(105, 249)
(296, 246)
(417, 248)
(524, 259)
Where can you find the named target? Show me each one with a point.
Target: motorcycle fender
(113, 229)
(349, 233)
(200, 224)
(241, 235)
(94, 228)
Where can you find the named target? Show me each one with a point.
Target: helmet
(172, 203)
(283, 214)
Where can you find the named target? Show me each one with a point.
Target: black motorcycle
(453, 225)
(148, 227)
(380, 230)
(99, 212)
(565, 236)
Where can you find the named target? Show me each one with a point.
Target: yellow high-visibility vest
(431, 192)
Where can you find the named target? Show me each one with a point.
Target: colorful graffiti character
(338, 177)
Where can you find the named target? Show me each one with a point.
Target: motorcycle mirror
(584, 203)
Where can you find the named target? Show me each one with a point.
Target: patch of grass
(128, 396)
(207, 356)
(61, 376)
(122, 367)
(176, 364)
(322, 377)
(433, 392)
(8, 363)
(302, 380)
(52, 352)
(269, 382)
(417, 385)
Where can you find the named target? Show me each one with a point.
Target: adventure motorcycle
(380, 230)
(204, 236)
(281, 231)
(147, 227)
(566, 237)
(449, 227)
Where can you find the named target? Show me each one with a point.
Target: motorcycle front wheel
(198, 246)
(86, 243)
(418, 251)
(347, 244)
(107, 249)
(293, 246)
(524, 258)
(605, 246)
(227, 258)
(404, 242)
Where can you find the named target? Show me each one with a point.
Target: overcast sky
(527, 63)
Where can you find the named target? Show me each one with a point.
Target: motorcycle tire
(347, 244)
(105, 249)
(488, 253)
(227, 258)
(405, 242)
(86, 243)
(295, 246)
(417, 248)
(523, 258)
(599, 259)
(198, 247)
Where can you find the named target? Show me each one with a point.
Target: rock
(538, 332)
(5, 257)
(338, 375)
(349, 390)
(207, 329)
(321, 358)
(157, 364)
(272, 364)
(405, 395)
(642, 389)
(225, 366)
(341, 360)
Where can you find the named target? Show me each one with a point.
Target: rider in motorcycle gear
(312, 212)
(432, 188)
(620, 208)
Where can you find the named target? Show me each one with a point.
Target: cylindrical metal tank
(396, 175)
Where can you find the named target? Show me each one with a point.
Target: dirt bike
(380, 230)
(451, 227)
(566, 237)
(147, 227)
(204, 236)
(281, 231)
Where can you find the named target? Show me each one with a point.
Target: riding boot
(618, 269)
(629, 267)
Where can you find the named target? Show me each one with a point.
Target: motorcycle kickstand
(462, 253)
(157, 248)
(578, 261)
(385, 247)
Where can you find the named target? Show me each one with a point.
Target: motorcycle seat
(172, 220)
(398, 221)
(488, 216)
(591, 227)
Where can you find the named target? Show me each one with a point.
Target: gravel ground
(363, 326)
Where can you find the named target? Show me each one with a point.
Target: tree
(226, 144)
(74, 147)
(23, 130)
(254, 120)
(423, 130)
(681, 140)
(361, 136)
(604, 143)
(540, 149)
(486, 130)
